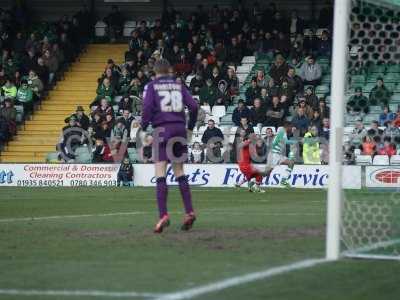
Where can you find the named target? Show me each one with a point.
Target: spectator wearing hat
(380, 94)
(25, 96)
(82, 119)
(71, 138)
(241, 111)
(209, 94)
(311, 72)
(358, 103)
(252, 92)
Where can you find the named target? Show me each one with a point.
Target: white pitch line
(71, 216)
(77, 293)
(238, 280)
(204, 212)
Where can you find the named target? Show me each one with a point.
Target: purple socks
(162, 193)
(185, 192)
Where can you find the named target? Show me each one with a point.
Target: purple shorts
(169, 143)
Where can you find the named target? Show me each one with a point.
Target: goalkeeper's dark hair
(162, 66)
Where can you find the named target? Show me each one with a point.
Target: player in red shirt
(246, 167)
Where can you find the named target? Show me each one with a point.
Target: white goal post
(338, 86)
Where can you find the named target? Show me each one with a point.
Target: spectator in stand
(300, 121)
(196, 84)
(35, 84)
(380, 94)
(294, 81)
(391, 130)
(260, 79)
(358, 103)
(275, 113)
(252, 92)
(9, 113)
(282, 44)
(52, 64)
(125, 104)
(235, 52)
(104, 91)
(42, 71)
(325, 130)
(115, 22)
(127, 119)
(146, 152)
(296, 24)
(324, 110)
(133, 133)
(279, 69)
(104, 131)
(359, 132)
(25, 96)
(197, 154)
(324, 47)
(258, 113)
(245, 125)
(124, 81)
(386, 116)
(209, 94)
(233, 82)
(316, 120)
(82, 120)
(374, 129)
(368, 146)
(71, 139)
(388, 148)
(104, 108)
(268, 139)
(311, 72)
(309, 112)
(4, 132)
(241, 111)
(119, 131)
(101, 151)
(311, 99)
(212, 132)
(9, 90)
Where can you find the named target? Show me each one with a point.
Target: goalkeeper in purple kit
(164, 102)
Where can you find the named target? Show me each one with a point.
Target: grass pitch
(102, 239)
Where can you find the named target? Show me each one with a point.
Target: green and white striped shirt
(279, 142)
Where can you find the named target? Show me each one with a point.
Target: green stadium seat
(322, 89)
(377, 69)
(393, 69)
(230, 109)
(357, 80)
(395, 98)
(84, 158)
(373, 77)
(375, 109)
(52, 157)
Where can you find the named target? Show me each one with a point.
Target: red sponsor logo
(387, 176)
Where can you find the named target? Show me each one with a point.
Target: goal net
(369, 225)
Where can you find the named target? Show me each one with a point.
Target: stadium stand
(224, 55)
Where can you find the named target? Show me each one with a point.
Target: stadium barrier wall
(382, 176)
(204, 175)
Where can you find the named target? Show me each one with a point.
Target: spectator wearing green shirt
(106, 91)
(35, 84)
(209, 94)
(25, 96)
(9, 90)
(380, 94)
(124, 81)
(358, 103)
(10, 67)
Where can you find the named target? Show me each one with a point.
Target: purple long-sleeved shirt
(164, 101)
